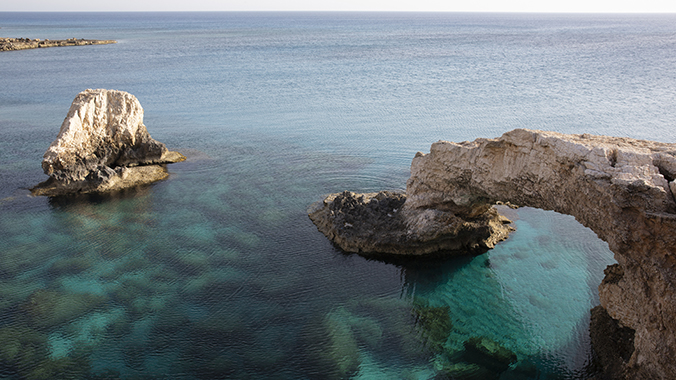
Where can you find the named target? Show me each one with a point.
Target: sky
(590, 6)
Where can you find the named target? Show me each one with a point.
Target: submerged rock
(59, 369)
(435, 325)
(382, 223)
(21, 347)
(481, 359)
(45, 309)
(103, 145)
(489, 354)
(341, 352)
(331, 348)
(466, 371)
(15, 291)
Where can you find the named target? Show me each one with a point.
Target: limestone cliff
(103, 145)
(621, 188)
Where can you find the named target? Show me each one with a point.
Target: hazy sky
(630, 6)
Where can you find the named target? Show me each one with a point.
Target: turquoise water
(218, 273)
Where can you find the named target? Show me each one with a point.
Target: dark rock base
(119, 179)
(612, 344)
(379, 223)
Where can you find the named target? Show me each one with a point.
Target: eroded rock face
(378, 223)
(103, 145)
(621, 188)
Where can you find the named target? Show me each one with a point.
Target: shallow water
(218, 273)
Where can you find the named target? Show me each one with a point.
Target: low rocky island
(103, 146)
(623, 189)
(381, 224)
(10, 44)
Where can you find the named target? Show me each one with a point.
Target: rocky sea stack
(103, 146)
(623, 189)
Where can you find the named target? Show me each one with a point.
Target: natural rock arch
(621, 188)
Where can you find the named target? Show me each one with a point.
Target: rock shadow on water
(80, 200)
(423, 273)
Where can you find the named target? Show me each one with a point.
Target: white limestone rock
(101, 142)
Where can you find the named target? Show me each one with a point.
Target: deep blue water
(218, 273)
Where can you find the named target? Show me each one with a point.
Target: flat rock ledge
(10, 44)
(378, 224)
(103, 146)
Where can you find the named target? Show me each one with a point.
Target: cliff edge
(102, 146)
(621, 188)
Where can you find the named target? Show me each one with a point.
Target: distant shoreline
(11, 44)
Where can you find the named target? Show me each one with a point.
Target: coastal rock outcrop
(621, 188)
(10, 44)
(102, 146)
(378, 223)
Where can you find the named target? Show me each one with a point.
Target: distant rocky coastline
(103, 146)
(623, 189)
(10, 44)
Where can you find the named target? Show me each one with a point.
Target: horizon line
(342, 11)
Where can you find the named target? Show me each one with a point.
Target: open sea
(218, 273)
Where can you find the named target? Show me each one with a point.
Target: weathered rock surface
(613, 345)
(621, 188)
(9, 44)
(378, 223)
(103, 145)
